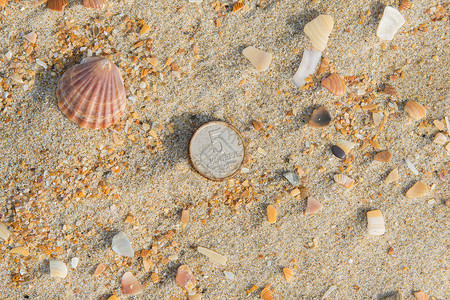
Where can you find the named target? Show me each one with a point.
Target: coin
(216, 150)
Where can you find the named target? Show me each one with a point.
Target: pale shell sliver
(92, 93)
(390, 23)
(259, 58)
(344, 180)
(212, 255)
(4, 232)
(318, 31)
(93, 3)
(375, 222)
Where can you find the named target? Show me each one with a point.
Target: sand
(66, 191)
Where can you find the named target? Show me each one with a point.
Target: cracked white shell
(390, 23)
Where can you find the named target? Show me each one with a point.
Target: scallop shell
(406, 4)
(212, 255)
(56, 5)
(335, 84)
(58, 269)
(20, 250)
(415, 110)
(271, 214)
(130, 285)
(185, 278)
(390, 23)
(266, 294)
(93, 3)
(375, 222)
(417, 190)
(259, 58)
(4, 232)
(318, 31)
(344, 180)
(238, 6)
(346, 146)
(288, 274)
(92, 93)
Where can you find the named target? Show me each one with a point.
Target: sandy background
(65, 191)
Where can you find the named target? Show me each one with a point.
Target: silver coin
(216, 150)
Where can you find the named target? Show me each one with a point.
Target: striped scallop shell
(93, 3)
(406, 4)
(335, 84)
(56, 5)
(92, 93)
(415, 110)
(318, 31)
(288, 274)
(344, 180)
(266, 294)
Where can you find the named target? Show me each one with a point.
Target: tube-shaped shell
(390, 23)
(415, 110)
(375, 222)
(335, 84)
(92, 93)
(93, 3)
(318, 31)
(310, 60)
(130, 285)
(4, 232)
(185, 278)
(58, 269)
(259, 58)
(344, 180)
(56, 5)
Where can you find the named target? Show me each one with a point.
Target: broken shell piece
(58, 269)
(185, 216)
(324, 65)
(92, 93)
(448, 148)
(271, 214)
(312, 206)
(130, 285)
(439, 125)
(238, 6)
(74, 262)
(56, 5)
(406, 4)
(411, 167)
(417, 190)
(292, 177)
(196, 296)
(390, 90)
(288, 274)
(266, 294)
(20, 250)
(185, 278)
(260, 59)
(93, 3)
(318, 31)
(99, 270)
(4, 232)
(212, 255)
(375, 222)
(420, 295)
(121, 245)
(390, 23)
(3, 3)
(384, 156)
(307, 66)
(346, 146)
(320, 117)
(344, 180)
(31, 37)
(396, 296)
(335, 84)
(440, 139)
(393, 176)
(415, 110)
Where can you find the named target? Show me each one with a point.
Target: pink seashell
(312, 206)
(93, 3)
(335, 84)
(92, 93)
(185, 278)
(130, 285)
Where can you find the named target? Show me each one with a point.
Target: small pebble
(384, 156)
(320, 118)
(420, 295)
(292, 177)
(74, 262)
(338, 152)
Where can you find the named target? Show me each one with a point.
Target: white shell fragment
(346, 146)
(4, 232)
(121, 245)
(260, 59)
(212, 255)
(393, 176)
(390, 23)
(130, 285)
(375, 222)
(74, 262)
(440, 139)
(411, 167)
(308, 65)
(318, 31)
(330, 290)
(344, 180)
(58, 269)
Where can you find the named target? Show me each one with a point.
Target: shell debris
(346, 146)
(288, 274)
(390, 23)
(238, 6)
(259, 59)
(307, 67)
(212, 255)
(440, 139)
(130, 285)
(384, 156)
(3, 3)
(415, 110)
(318, 31)
(121, 245)
(31, 37)
(184, 217)
(4, 232)
(344, 180)
(405, 4)
(266, 293)
(93, 3)
(420, 295)
(271, 214)
(417, 190)
(58, 269)
(375, 222)
(392, 177)
(312, 206)
(335, 84)
(56, 5)
(100, 268)
(20, 250)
